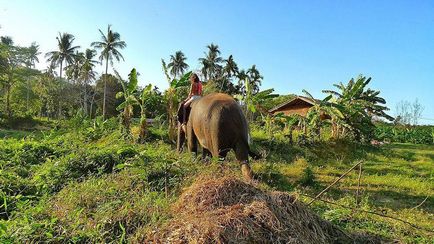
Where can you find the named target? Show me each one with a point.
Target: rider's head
(194, 78)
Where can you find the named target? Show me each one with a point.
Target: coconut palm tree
(32, 59)
(33, 54)
(231, 68)
(242, 76)
(74, 68)
(89, 62)
(211, 64)
(255, 78)
(7, 67)
(177, 64)
(109, 45)
(87, 74)
(6, 40)
(65, 52)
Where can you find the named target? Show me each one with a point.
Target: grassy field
(86, 184)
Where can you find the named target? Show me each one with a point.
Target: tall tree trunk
(27, 94)
(60, 72)
(90, 112)
(105, 89)
(59, 115)
(8, 98)
(85, 100)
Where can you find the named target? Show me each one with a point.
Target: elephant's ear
(181, 112)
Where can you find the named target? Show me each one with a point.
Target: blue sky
(295, 44)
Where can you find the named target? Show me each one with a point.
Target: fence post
(358, 185)
(334, 182)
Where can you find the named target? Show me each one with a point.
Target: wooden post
(290, 135)
(334, 182)
(358, 185)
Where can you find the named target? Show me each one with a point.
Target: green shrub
(405, 134)
(97, 210)
(308, 177)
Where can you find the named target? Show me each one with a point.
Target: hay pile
(227, 210)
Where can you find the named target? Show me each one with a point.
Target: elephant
(218, 124)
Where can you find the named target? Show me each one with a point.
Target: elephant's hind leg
(242, 155)
(205, 153)
(192, 139)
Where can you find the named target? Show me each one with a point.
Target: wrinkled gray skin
(217, 122)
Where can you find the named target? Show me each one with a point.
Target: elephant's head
(181, 131)
(180, 113)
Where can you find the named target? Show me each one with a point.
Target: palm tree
(33, 54)
(65, 51)
(87, 74)
(6, 40)
(110, 44)
(74, 68)
(255, 78)
(242, 76)
(230, 68)
(7, 66)
(32, 59)
(177, 64)
(211, 64)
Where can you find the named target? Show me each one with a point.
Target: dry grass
(228, 210)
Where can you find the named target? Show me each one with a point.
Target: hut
(298, 105)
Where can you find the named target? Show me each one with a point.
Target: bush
(98, 210)
(54, 174)
(308, 177)
(405, 134)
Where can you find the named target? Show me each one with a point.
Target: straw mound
(227, 210)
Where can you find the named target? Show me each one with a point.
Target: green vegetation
(84, 182)
(403, 133)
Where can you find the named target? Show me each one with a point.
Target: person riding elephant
(218, 124)
(195, 92)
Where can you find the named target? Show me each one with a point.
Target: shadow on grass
(403, 146)
(385, 198)
(430, 156)
(18, 134)
(373, 170)
(399, 200)
(318, 153)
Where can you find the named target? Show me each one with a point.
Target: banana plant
(322, 109)
(173, 97)
(129, 89)
(359, 104)
(253, 102)
(146, 92)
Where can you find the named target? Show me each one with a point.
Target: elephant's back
(219, 117)
(220, 106)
